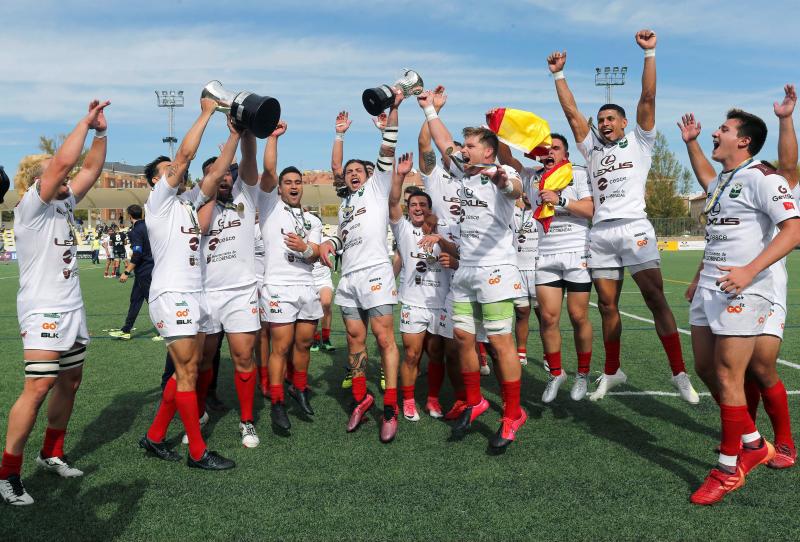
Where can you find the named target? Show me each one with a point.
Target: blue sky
(317, 57)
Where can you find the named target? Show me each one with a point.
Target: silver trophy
(259, 114)
(377, 100)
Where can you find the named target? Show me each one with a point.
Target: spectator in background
(141, 264)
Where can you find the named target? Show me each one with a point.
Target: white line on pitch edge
(686, 332)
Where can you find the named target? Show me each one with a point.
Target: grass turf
(622, 468)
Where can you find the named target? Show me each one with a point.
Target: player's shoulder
(763, 168)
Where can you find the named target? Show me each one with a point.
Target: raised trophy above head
(259, 114)
(377, 100)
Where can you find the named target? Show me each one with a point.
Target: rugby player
(424, 285)
(526, 244)
(52, 317)
(736, 287)
(118, 241)
(561, 264)
(366, 292)
(324, 285)
(621, 236)
(177, 304)
(289, 300)
(486, 281)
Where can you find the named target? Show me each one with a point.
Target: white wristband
(559, 75)
(650, 52)
(99, 134)
(339, 136)
(563, 202)
(430, 112)
(508, 188)
(308, 252)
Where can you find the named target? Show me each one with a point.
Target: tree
(49, 145)
(667, 181)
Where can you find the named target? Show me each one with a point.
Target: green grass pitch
(622, 468)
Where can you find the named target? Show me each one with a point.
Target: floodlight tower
(610, 77)
(170, 99)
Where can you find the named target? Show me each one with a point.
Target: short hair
(420, 193)
(750, 126)
(562, 139)
(485, 136)
(287, 170)
(357, 161)
(208, 162)
(411, 188)
(134, 211)
(613, 107)
(30, 167)
(151, 169)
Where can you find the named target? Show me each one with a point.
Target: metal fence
(678, 227)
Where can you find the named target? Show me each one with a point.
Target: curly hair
(30, 168)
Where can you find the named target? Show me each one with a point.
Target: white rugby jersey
(487, 215)
(228, 247)
(618, 173)
(174, 234)
(259, 260)
(284, 265)
(742, 222)
(443, 190)
(526, 239)
(44, 234)
(320, 271)
(568, 233)
(780, 277)
(364, 222)
(423, 280)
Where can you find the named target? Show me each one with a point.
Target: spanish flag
(520, 129)
(556, 179)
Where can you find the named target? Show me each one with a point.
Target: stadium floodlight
(170, 99)
(610, 76)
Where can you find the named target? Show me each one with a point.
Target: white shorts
(234, 310)
(54, 331)
(566, 266)
(622, 243)
(420, 319)
(776, 320)
(367, 288)
(179, 314)
(322, 278)
(487, 284)
(743, 314)
(284, 304)
(528, 290)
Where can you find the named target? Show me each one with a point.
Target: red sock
(390, 397)
(461, 395)
(326, 333)
(777, 407)
(554, 362)
(245, 390)
(166, 411)
(12, 464)
(472, 387)
(435, 378)
(510, 392)
(612, 357)
(53, 445)
(584, 362)
(289, 370)
(733, 420)
(186, 402)
(753, 395)
(300, 380)
(672, 346)
(408, 392)
(482, 349)
(276, 393)
(522, 352)
(204, 379)
(316, 336)
(359, 388)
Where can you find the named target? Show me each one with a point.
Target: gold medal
(240, 208)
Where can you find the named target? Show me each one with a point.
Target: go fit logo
(641, 242)
(375, 287)
(182, 314)
(49, 325)
(735, 309)
(494, 280)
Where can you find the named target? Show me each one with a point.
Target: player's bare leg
(413, 346)
(521, 329)
(471, 378)
(262, 357)
(357, 362)
(301, 358)
(22, 416)
(244, 375)
(383, 330)
(282, 338)
(578, 310)
(550, 303)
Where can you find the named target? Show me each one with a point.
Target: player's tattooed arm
(438, 131)
(389, 135)
(358, 363)
(428, 161)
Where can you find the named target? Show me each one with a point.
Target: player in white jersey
(424, 283)
(230, 282)
(177, 305)
(289, 301)
(526, 243)
(621, 235)
(323, 282)
(262, 340)
(52, 317)
(366, 292)
(561, 264)
(487, 279)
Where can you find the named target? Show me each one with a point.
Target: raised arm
(337, 156)
(213, 178)
(504, 155)
(96, 157)
(439, 132)
(427, 157)
(402, 169)
(389, 139)
(269, 178)
(248, 167)
(577, 122)
(646, 110)
(787, 138)
(190, 144)
(703, 170)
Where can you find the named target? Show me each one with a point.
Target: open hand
(786, 107)
(690, 128)
(342, 122)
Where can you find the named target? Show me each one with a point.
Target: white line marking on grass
(686, 332)
(672, 393)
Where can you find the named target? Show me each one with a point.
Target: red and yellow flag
(556, 179)
(520, 129)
